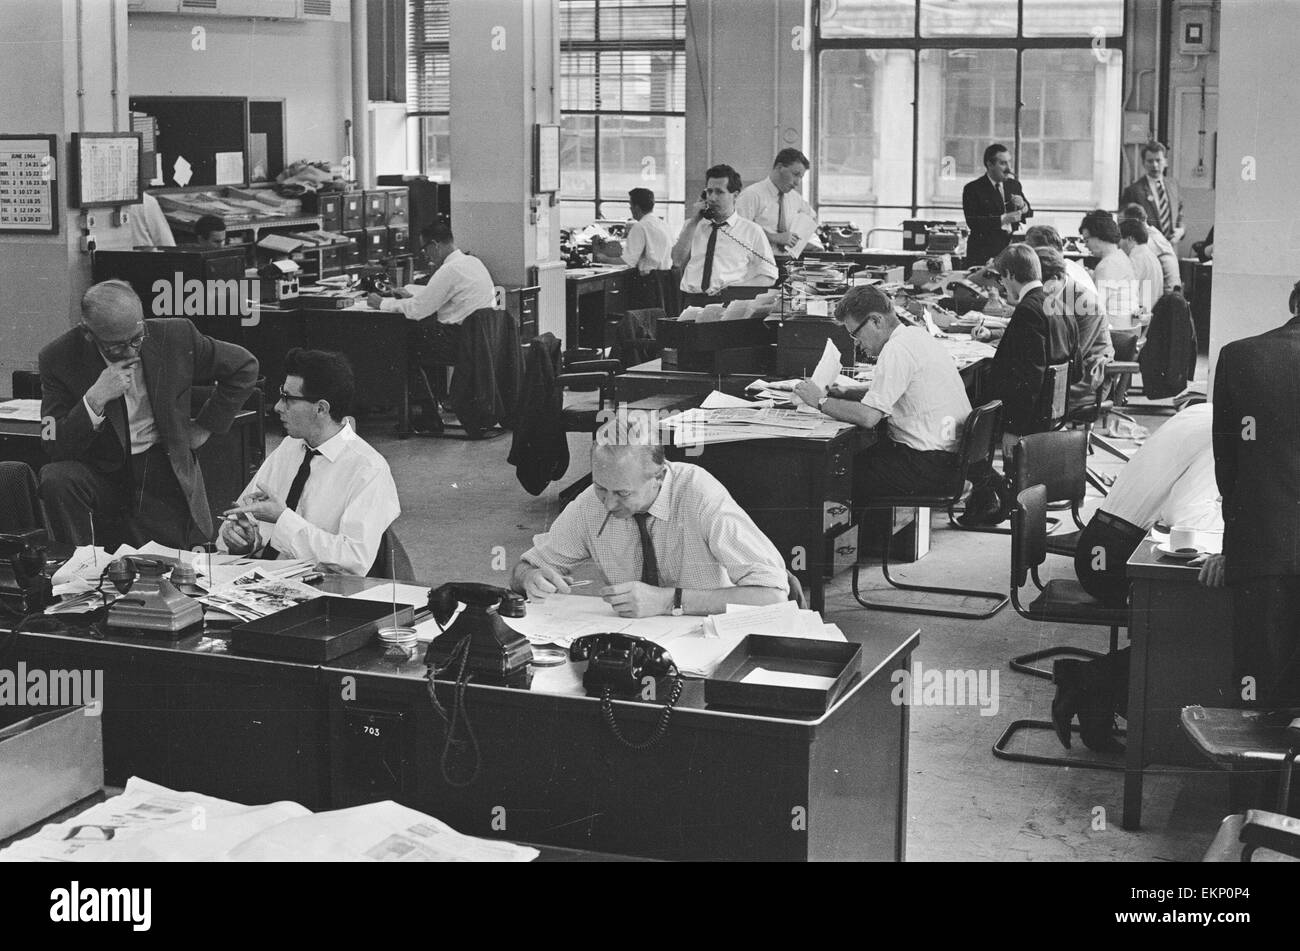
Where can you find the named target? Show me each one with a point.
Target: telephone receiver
(123, 572)
(706, 214)
(620, 662)
(22, 563)
(444, 600)
(496, 653)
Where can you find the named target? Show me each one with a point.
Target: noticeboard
(104, 169)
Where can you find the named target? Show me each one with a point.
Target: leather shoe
(1070, 697)
(982, 505)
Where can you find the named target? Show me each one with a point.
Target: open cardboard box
(48, 761)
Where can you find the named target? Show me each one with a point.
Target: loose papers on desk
(698, 427)
(148, 822)
(28, 411)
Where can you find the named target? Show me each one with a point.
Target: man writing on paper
(324, 494)
(668, 538)
(916, 388)
(776, 206)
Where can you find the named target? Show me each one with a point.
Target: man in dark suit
(994, 205)
(1257, 466)
(1158, 194)
(115, 396)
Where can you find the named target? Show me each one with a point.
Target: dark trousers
(1126, 349)
(892, 469)
(1266, 637)
(436, 345)
(146, 504)
(1101, 557)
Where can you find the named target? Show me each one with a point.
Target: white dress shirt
(917, 386)
(145, 225)
(702, 539)
(1164, 252)
(648, 246)
(1150, 277)
(761, 203)
(1075, 269)
(139, 411)
(1171, 477)
(1117, 289)
(741, 256)
(460, 286)
(348, 501)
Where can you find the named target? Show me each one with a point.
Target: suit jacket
(1032, 342)
(485, 388)
(174, 357)
(1257, 452)
(1168, 358)
(540, 451)
(984, 210)
(1139, 193)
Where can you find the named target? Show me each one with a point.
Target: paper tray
(796, 655)
(318, 630)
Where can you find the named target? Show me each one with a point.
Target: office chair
(979, 439)
(392, 562)
(1058, 461)
(20, 505)
(483, 410)
(1060, 601)
(1089, 415)
(586, 381)
(634, 337)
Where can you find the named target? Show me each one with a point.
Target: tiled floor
(465, 517)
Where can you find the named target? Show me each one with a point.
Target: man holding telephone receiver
(717, 249)
(995, 207)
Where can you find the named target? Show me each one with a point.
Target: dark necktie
(780, 211)
(1162, 208)
(649, 564)
(708, 256)
(295, 492)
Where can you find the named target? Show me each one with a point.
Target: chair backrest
(26, 385)
(1054, 400)
(981, 436)
(1168, 359)
(1058, 461)
(392, 562)
(20, 506)
(796, 590)
(1028, 533)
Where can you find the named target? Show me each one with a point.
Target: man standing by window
(995, 207)
(1157, 194)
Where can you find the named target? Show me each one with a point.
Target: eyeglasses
(290, 397)
(119, 346)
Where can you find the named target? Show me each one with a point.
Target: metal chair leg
(1001, 752)
(1109, 447)
(1001, 599)
(1023, 663)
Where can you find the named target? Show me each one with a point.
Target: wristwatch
(677, 603)
(822, 402)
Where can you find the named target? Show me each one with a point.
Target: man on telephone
(668, 538)
(995, 207)
(718, 249)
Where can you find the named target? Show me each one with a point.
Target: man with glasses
(116, 405)
(916, 388)
(324, 494)
(459, 286)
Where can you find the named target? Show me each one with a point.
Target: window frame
(414, 115)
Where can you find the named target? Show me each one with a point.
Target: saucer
(1180, 554)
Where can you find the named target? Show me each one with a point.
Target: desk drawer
(835, 514)
(354, 215)
(375, 213)
(398, 207)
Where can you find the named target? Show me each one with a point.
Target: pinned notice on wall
(230, 168)
(28, 184)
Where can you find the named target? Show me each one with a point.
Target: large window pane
(578, 80)
(576, 214)
(1070, 128)
(967, 103)
(873, 18)
(865, 127)
(578, 156)
(1074, 17)
(639, 81)
(968, 17)
(435, 134)
(641, 152)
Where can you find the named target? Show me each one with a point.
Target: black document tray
(798, 655)
(318, 630)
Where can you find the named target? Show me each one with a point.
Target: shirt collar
(991, 182)
(1029, 287)
(337, 444)
(663, 503)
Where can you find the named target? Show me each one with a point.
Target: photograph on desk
(763, 449)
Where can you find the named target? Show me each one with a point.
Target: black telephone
(620, 662)
(706, 213)
(967, 297)
(479, 641)
(22, 563)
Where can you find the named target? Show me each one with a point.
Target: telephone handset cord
(660, 730)
(762, 257)
(458, 653)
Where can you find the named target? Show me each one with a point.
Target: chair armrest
(1270, 830)
(1123, 368)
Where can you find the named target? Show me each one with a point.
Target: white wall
(306, 64)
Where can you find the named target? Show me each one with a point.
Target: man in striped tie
(1157, 194)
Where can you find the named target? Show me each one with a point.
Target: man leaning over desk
(916, 387)
(666, 536)
(324, 495)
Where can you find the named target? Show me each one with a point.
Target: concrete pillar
(1257, 198)
(59, 77)
(504, 81)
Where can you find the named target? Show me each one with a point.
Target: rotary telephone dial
(618, 665)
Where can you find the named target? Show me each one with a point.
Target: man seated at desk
(459, 286)
(1146, 267)
(116, 390)
(916, 387)
(1160, 246)
(647, 246)
(324, 494)
(666, 536)
(210, 232)
(717, 249)
(775, 205)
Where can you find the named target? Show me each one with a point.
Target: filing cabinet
(354, 253)
(375, 242)
(375, 209)
(399, 200)
(353, 211)
(328, 207)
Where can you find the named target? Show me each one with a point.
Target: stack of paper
(25, 410)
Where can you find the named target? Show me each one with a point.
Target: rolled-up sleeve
(748, 556)
(565, 545)
(894, 371)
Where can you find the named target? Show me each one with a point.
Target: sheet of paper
(828, 367)
(783, 678)
(230, 168)
(26, 410)
(779, 619)
(717, 400)
(699, 656)
(87, 563)
(412, 594)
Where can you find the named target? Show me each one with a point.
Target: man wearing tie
(666, 537)
(324, 494)
(1157, 194)
(115, 396)
(717, 249)
(995, 207)
(774, 203)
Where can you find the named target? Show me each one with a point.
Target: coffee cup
(1182, 537)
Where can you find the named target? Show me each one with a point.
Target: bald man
(668, 538)
(115, 394)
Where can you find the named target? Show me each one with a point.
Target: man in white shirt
(648, 245)
(1114, 276)
(146, 226)
(1046, 236)
(324, 494)
(916, 387)
(459, 286)
(776, 205)
(1150, 278)
(718, 249)
(1160, 247)
(666, 536)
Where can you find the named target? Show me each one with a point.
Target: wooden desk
(593, 296)
(227, 460)
(722, 785)
(1180, 634)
